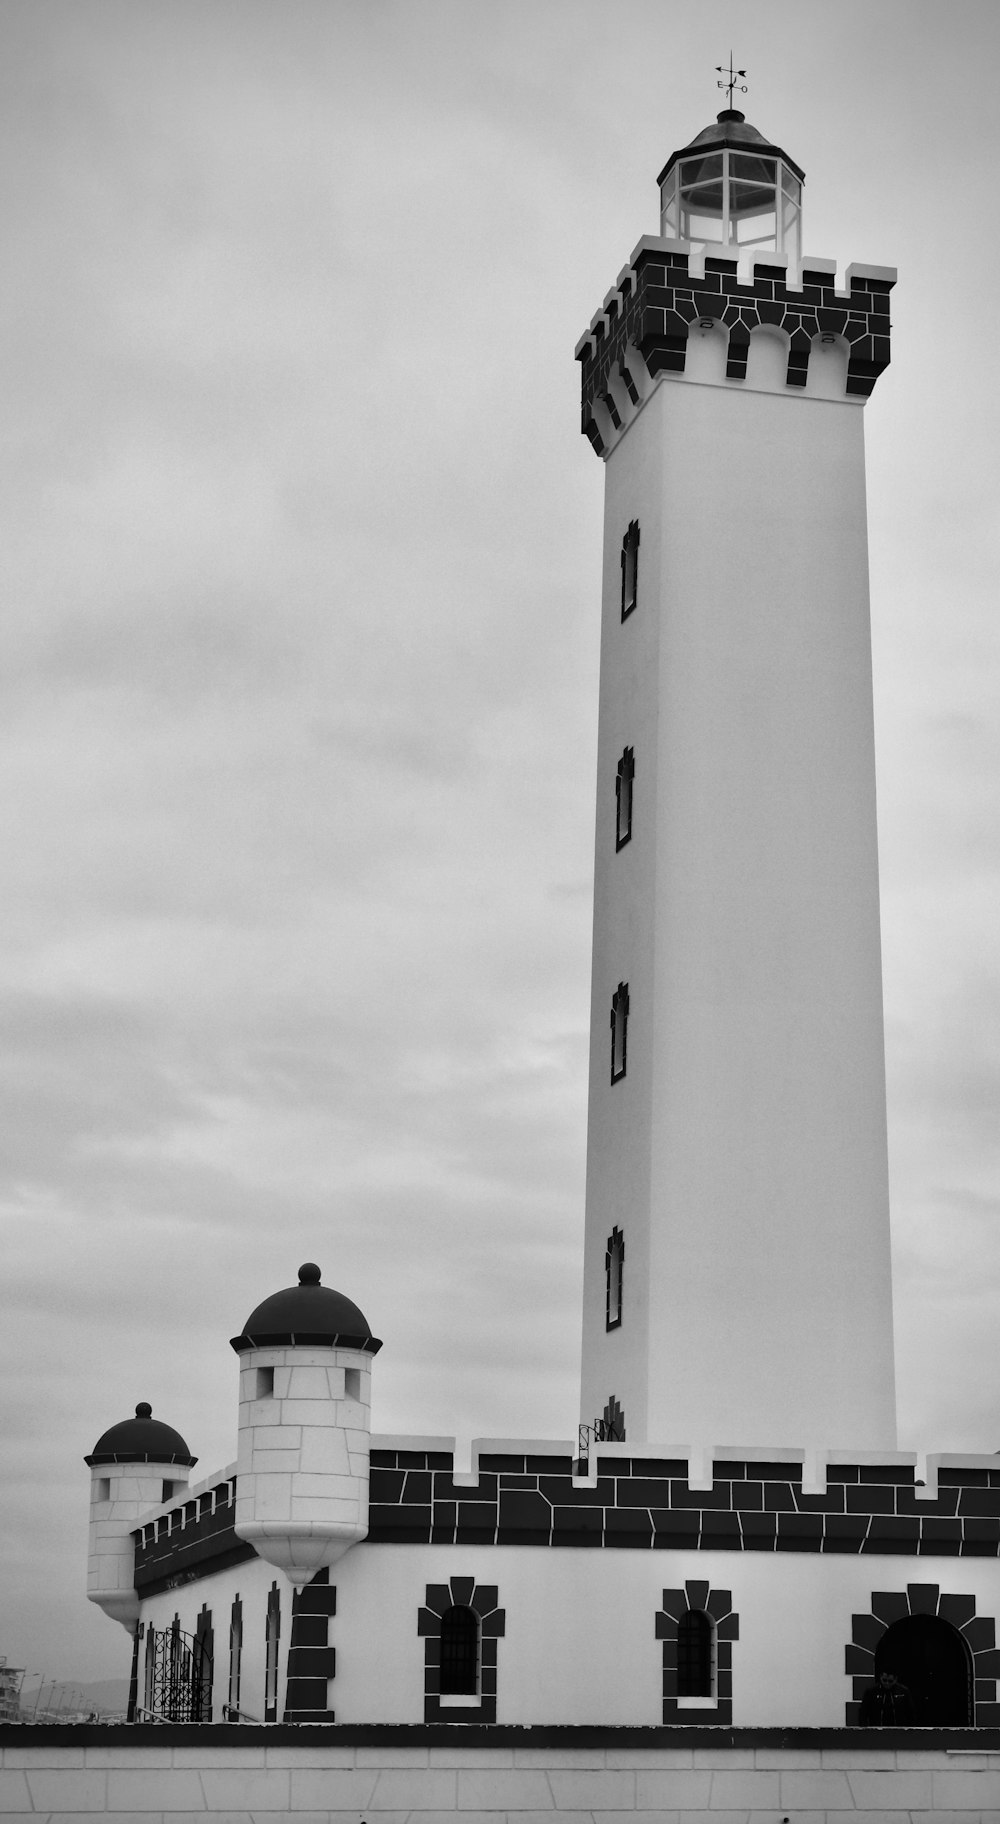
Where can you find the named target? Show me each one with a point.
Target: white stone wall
(303, 1455)
(744, 1154)
(251, 1582)
(244, 1783)
(579, 1645)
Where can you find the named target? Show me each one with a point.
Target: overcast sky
(298, 663)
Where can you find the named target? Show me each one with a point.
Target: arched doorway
(932, 1660)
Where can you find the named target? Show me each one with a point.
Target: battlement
(643, 326)
(181, 1540)
(531, 1494)
(518, 1492)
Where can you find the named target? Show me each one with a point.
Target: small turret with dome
(304, 1428)
(134, 1466)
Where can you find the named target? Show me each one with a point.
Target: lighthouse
(737, 1270)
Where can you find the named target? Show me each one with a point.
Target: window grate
(459, 1653)
(694, 1655)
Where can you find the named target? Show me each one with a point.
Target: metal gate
(178, 1678)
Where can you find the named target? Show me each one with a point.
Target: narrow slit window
(235, 1655)
(619, 1031)
(271, 1638)
(694, 1655)
(623, 794)
(265, 1384)
(149, 1671)
(203, 1667)
(614, 1262)
(630, 569)
(352, 1383)
(459, 1653)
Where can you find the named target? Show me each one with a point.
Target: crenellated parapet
(665, 295)
(532, 1492)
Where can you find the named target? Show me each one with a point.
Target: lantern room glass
(744, 201)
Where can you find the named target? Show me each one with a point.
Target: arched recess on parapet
(633, 374)
(826, 376)
(767, 359)
(707, 350)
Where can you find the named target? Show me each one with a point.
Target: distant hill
(107, 1693)
(109, 1696)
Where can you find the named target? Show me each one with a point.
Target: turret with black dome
(304, 1427)
(134, 1466)
(141, 1440)
(308, 1314)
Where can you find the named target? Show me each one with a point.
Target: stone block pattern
(637, 1503)
(311, 1659)
(659, 299)
(303, 1446)
(585, 1776)
(647, 1503)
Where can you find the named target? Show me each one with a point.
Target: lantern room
(730, 188)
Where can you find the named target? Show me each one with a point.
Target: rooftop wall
(248, 1774)
(515, 1495)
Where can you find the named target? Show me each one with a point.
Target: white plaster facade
(743, 1155)
(580, 1645)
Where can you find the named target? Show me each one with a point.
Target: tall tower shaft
(737, 1275)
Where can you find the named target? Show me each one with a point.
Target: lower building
(534, 1586)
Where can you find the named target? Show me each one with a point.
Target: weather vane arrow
(734, 79)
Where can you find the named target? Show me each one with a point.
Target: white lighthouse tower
(737, 1275)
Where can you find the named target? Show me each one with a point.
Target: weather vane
(734, 81)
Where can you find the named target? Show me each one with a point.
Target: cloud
(300, 572)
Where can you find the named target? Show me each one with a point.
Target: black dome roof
(141, 1440)
(307, 1314)
(732, 129)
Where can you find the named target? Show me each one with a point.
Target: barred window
(623, 794)
(694, 1655)
(630, 568)
(459, 1653)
